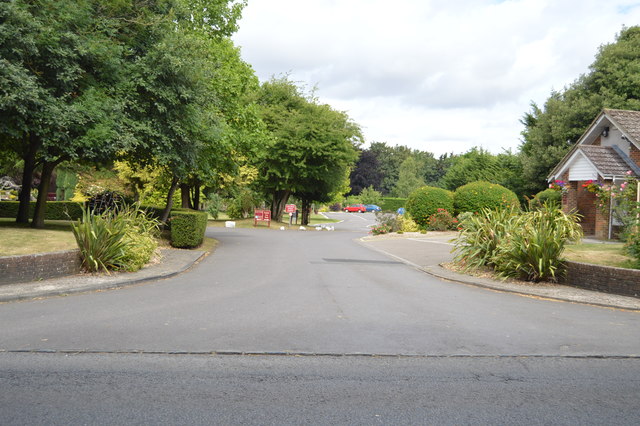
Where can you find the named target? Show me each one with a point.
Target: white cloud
(439, 76)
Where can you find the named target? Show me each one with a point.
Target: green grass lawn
(607, 254)
(18, 239)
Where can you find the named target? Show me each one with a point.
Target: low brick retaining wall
(606, 279)
(35, 267)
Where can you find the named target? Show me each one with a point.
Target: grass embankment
(607, 254)
(315, 219)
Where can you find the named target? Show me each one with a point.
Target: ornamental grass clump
(532, 246)
(118, 239)
(479, 236)
(525, 245)
(101, 240)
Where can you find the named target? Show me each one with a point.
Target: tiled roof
(606, 160)
(627, 121)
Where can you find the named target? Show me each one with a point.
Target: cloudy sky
(435, 75)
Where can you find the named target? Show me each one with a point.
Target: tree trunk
(43, 191)
(185, 196)
(172, 189)
(280, 199)
(196, 195)
(306, 209)
(27, 178)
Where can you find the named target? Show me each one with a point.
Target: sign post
(263, 216)
(291, 209)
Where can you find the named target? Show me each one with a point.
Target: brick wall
(35, 267)
(586, 202)
(606, 279)
(634, 153)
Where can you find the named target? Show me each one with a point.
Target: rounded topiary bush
(548, 196)
(425, 201)
(475, 196)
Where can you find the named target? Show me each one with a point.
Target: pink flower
(629, 172)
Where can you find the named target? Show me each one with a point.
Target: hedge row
(392, 204)
(188, 228)
(55, 210)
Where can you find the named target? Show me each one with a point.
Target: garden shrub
(532, 247)
(391, 204)
(406, 224)
(387, 222)
(101, 240)
(548, 196)
(188, 228)
(118, 239)
(425, 201)
(442, 220)
(479, 236)
(55, 210)
(140, 237)
(475, 196)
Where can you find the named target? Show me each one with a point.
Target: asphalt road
(469, 355)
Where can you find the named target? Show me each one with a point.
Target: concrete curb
(556, 292)
(174, 262)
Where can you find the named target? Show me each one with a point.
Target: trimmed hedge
(187, 228)
(425, 201)
(475, 196)
(55, 210)
(392, 204)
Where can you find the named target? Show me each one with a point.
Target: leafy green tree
(389, 159)
(476, 164)
(370, 196)
(310, 149)
(409, 178)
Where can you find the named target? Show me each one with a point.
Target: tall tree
(310, 147)
(409, 178)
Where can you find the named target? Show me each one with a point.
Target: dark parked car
(372, 208)
(355, 208)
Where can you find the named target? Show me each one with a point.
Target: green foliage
(480, 235)
(370, 196)
(406, 224)
(548, 196)
(392, 204)
(475, 196)
(188, 228)
(56, 210)
(122, 239)
(214, 204)
(426, 201)
(101, 240)
(387, 222)
(142, 229)
(409, 178)
(442, 220)
(532, 247)
(524, 245)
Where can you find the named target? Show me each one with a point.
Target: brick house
(606, 152)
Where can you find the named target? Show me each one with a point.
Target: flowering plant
(380, 229)
(559, 185)
(442, 220)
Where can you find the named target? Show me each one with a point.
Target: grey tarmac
(331, 332)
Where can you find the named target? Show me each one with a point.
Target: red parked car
(355, 208)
